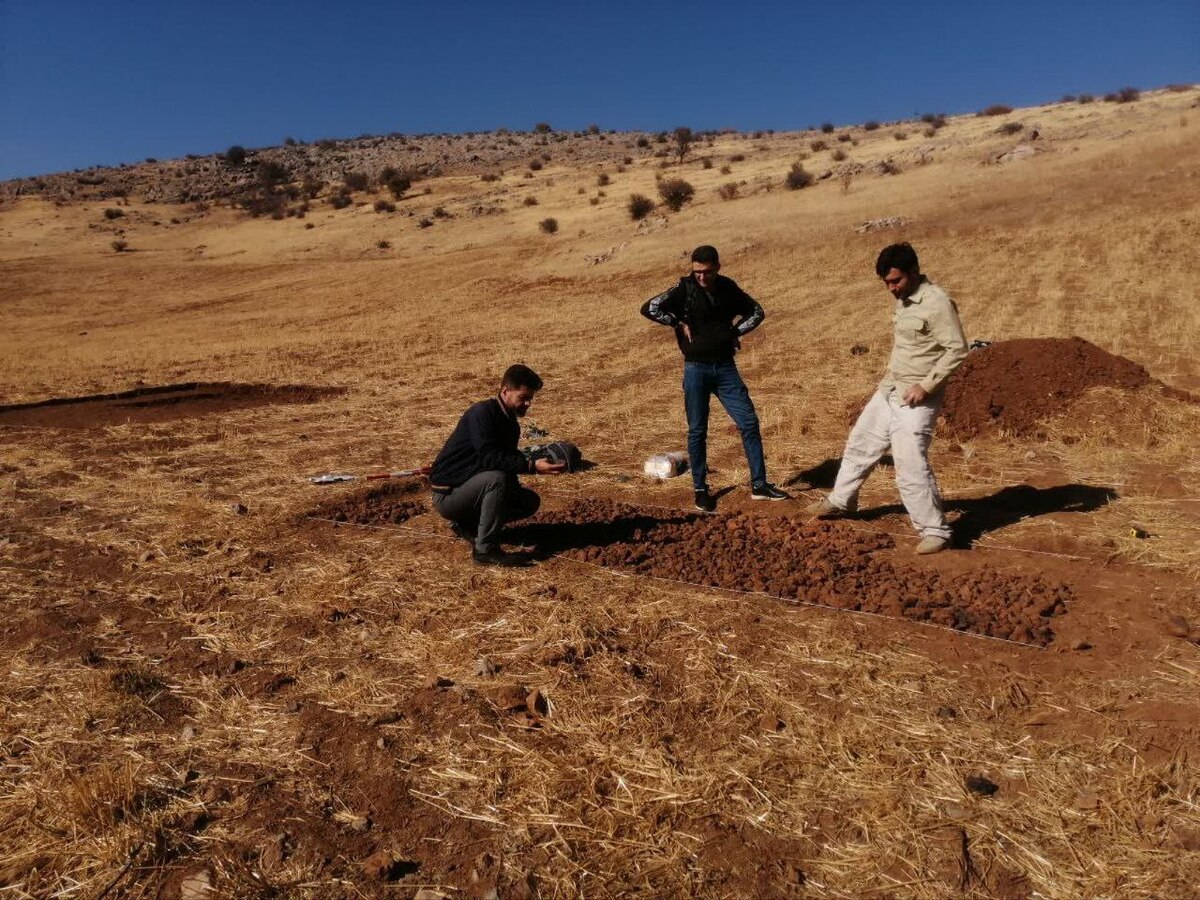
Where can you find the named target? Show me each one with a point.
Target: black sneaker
(498, 557)
(706, 502)
(463, 534)
(768, 491)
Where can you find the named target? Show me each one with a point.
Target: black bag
(556, 452)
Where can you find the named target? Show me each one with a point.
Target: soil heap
(826, 563)
(1012, 385)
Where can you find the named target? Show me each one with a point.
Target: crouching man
(474, 477)
(928, 345)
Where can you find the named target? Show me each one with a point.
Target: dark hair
(897, 256)
(706, 255)
(520, 376)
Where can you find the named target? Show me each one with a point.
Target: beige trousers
(886, 423)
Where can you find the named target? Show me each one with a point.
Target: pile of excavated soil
(155, 404)
(1012, 386)
(816, 562)
(382, 503)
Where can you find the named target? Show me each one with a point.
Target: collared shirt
(928, 343)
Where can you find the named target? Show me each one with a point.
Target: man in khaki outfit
(928, 345)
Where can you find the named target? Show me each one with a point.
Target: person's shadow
(549, 538)
(982, 515)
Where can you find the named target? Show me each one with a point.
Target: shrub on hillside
(120, 246)
(602, 179)
(235, 155)
(827, 128)
(384, 245)
(1086, 98)
(340, 199)
(643, 142)
(845, 137)
(728, 191)
(489, 176)
(838, 155)
(382, 206)
(1009, 128)
(996, 109)
(684, 139)
(549, 225)
(639, 206)
(356, 181)
(872, 125)
(936, 120)
(531, 200)
(535, 165)
(798, 178)
(425, 223)
(1178, 88)
(900, 134)
(675, 192)
(272, 173)
(113, 213)
(311, 186)
(1124, 95)
(542, 128)
(817, 146)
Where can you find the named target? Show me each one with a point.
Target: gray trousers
(484, 503)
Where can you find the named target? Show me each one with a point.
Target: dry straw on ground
(203, 686)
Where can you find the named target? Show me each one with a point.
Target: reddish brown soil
(818, 562)
(1012, 385)
(155, 404)
(381, 503)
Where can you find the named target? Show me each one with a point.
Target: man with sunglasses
(928, 346)
(710, 315)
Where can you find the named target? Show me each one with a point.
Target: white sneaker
(932, 544)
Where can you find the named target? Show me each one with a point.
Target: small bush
(845, 137)
(684, 138)
(235, 155)
(1178, 88)
(535, 165)
(996, 109)
(382, 206)
(900, 135)
(839, 155)
(935, 120)
(1124, 95)
(706, 163)
(384, 245)
(602, 179)
(120, 246)
(797, 178)
(1086, 98)
(271, 173)
(310, 187)
(737, 157)
(725, 170)
(439, 212)
(425, 223)
(643, 142)
(639, 206)
(489, 176)
(827, 128)
(675, 192)
(542, 128)
(1010, 128)
(398, 185)
(728, 191)
(356, 181)
(531, 200)
(817, 146)
(1068, 98)
(594, 201)
(113, 213)
(548, 226)
(872, 125)
(627, 160)
(341, 199)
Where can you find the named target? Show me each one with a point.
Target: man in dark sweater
(710, 314)
(474, 478)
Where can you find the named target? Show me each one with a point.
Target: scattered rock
(524, 888)
(275, 853)
(197, 886)
(511, 697)
(1087, 800)
(383, 866)
(146, 556)
(436, 682)
(771, 722)
(429, 894)
(188, 733)
(859, 349)
(485, 668)
(536, 703)
(947, 712)
(239, 509)
(981, 785)
(1081, 644)
(1178, 626)
(881, 224)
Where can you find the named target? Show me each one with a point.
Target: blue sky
(85, 83)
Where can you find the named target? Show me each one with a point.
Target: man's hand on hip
(545, 467)
(687, 332)
(915, 395)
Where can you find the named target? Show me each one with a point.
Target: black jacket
(484, 440)
(709, 317)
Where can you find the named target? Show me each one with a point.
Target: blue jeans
(700, 381)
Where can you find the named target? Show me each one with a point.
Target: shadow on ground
(982, 515)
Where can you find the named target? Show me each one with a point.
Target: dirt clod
(434, 682)
(981, 785)
(389, 503)
(1177, 626)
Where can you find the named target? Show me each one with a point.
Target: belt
(443, 489)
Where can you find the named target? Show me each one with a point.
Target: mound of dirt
(1012, 385)
(817, 562)
(156, 404)
(383, 503)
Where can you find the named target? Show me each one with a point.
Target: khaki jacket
(928, 343)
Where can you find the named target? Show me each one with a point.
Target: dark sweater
(484, 440)
(709, 316)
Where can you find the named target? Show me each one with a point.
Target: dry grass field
(211, 690)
